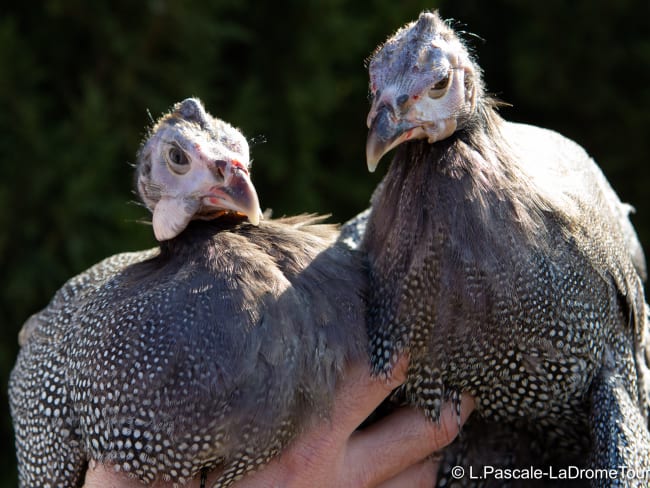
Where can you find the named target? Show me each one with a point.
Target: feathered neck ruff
(470, 193)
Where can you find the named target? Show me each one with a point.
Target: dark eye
(177, 160)
(176, 156)
(440, 87)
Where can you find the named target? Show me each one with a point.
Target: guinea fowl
(210, 352)
(504, 263)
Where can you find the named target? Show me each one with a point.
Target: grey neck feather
(467, 192)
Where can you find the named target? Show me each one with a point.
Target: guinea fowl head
(194, 166)
(423, 85)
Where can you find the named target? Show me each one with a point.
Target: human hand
(388, 454)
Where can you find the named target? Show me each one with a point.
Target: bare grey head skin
(504, 263)
(194, 166)
(423, 86)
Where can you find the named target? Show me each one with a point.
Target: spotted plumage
(211, 351)
(506, 265)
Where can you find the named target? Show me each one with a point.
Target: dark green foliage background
(77, 79)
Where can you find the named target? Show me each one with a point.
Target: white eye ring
(440, 87)
(177, 160)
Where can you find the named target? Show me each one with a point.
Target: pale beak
(236, 193)
(384, 134)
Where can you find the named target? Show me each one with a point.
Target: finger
(360, 394)
(402, 439)
(420, 475)
(100, 475)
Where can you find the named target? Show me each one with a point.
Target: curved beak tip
(254, 217)
(375, 149)
(372, 162)
(382, 136)
(250, 207)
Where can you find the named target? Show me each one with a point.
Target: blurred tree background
(77, 80)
